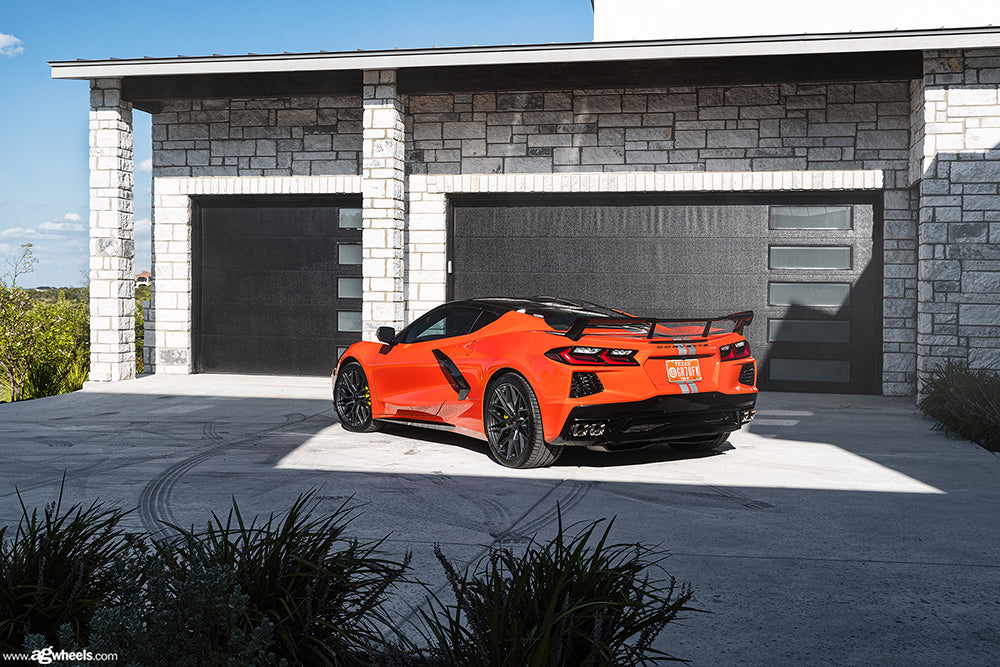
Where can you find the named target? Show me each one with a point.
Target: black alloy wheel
(513, 424)
(353, 399)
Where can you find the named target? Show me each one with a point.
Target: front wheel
(513, 424)
(353, 399)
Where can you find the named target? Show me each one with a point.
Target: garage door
(807, 266)
(277, 284)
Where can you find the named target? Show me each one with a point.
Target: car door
(413, 377)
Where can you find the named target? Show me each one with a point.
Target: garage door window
(809, 331)
(810, 370)
(810, 217)
(350, 253)
(810, 257)
(350, 218)
(809, 294)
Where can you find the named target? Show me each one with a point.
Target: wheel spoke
(353, 397)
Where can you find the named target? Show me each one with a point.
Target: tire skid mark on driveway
(526, 526)
(154, 501)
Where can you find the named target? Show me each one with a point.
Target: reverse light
(738, 350)
(593, 356)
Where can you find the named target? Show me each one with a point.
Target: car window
(445, 323)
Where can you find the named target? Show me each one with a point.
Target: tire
(513, 424)
(353, 399)
(700, 445)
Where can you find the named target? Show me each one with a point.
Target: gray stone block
(966, 232)
(752, 95)
(528, 165)
(980, 314)
(520, 101)
(732, 138)
(977, 171)
(465, 130)
(672, 102)
(602, 155)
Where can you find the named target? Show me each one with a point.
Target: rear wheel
(700, 445)
(513, 424)
(353, 399)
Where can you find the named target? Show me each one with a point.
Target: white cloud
(143, 225)
(60, 226)
(10, 46)
(18, 232)
(145, 165)
(71, 222)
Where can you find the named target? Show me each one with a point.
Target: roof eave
(782, 45)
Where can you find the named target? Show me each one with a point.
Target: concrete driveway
(834, 530)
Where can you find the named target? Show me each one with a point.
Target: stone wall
(112, 235)
(286, 136)
(711, 129)
(769, 134)
(959, 307)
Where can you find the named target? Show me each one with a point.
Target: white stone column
(382, 186)
(112, 235)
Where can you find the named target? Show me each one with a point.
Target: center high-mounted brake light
(739, 350)
(593, 356)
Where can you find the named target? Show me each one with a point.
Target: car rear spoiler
(581, 324)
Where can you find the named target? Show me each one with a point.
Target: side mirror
(385, 334)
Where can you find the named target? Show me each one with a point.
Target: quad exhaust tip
(588, 429)
(746, 416)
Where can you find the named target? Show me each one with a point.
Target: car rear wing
(581, 324)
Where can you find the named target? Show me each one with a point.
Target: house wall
(959, 243)
(709, 129)
(927, 145)
(282, 136)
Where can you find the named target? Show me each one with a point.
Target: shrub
(965, 402)
(57, 569)
(562, 602)
(44, 346)
(323, 593)
(177, 616)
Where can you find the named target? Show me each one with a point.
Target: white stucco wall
(616, 20)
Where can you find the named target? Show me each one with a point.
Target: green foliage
(44, 344)
(57, 569)
(140, 326)
(563, 602)
(323, 593)
(965, 402)
(295, 590)
(178, 616)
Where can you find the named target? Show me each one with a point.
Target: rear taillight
(739, 350)
(593, 356)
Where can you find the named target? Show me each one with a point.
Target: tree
(41, 344)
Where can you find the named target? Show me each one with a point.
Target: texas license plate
(683, 370)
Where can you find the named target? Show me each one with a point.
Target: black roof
(540, 305)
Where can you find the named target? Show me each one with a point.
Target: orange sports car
(532, 376)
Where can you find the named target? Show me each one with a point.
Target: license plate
(683, 370)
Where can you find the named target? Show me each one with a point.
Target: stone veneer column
(382, 186)
(112, 235)
(959, 230)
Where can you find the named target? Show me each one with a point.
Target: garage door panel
(296, 253)
(269, 287)
(267, 284)
(642, 255)
(677, 257)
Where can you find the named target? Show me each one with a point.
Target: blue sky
(43, 122)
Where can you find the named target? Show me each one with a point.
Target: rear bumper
(672, 418)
